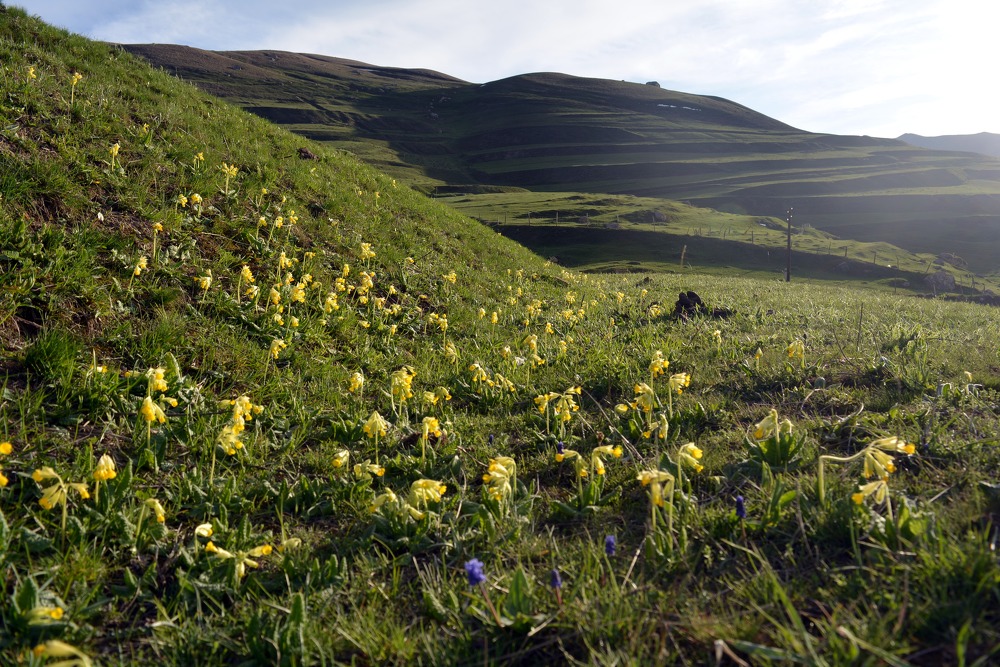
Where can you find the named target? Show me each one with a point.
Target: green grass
(313, 561)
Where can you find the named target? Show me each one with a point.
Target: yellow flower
(6, 448)
(182, 201)
(246, 274)
(44, 615)
(277, 345)
(879, 488)
(366, 251)
(894, 443)
(376, 426)
(767, 427)
(158, 511)
(658, 364)
(424, 491)
(796, 349)
(450, 277)
(105, 469)
(140, 265)
(31, 73)
(645, 397)
(341, 458)
(542, 401)
(690, 454)
(678, 381)
(152, 412)
(430, 426)
(205, 281)
(55, 648)
(204, 530)
(77, 78)
(357, 382)
(401, 383)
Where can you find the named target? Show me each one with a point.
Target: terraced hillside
(563, 133)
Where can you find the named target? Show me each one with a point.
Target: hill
(554, 132)
(986, 143)
(264, 405)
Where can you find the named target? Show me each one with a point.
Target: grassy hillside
(553, 132)
(263, 409)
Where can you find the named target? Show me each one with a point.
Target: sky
(874, 67)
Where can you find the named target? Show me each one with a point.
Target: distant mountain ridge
(557, 132)
(986, 143)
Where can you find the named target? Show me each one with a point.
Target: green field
(261, 409)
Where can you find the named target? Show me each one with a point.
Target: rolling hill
(986, 143)
(554, 132)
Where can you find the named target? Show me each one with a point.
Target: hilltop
(555, 132)
(264, 404)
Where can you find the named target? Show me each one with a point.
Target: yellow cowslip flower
(450, 352)
(105, 469)
(156, 379)
(796, 349)
(880, 488)
(204, 530)
(663, 427)
(430, 426)
(597, 463)
(290, 543)
(503, 383)
(262, 550)
(158, 511)
(678, 381)
(299, 293)
(205, 281)
(54, 648)
(152, 412)
(717, 335)
(157, 227)
(450, 277)
(341, 458)
(479, 374)
(246, 274)
(53, 496)
(366, 251)
(357, 382)
(400, 383)
(278, 319)
(77, 78)
(115, 147)
(655, 480)
(44, 614)
(566, 405)
(3, 478)
(219, 551)
(531, 342)
(878, 464)
(44, 473)
(182, 201)
(293, 321)
(424, 491)
(767, 427)
(229, 439)
(376, 426)
(645, 397)
(542, 401)
(331, 304)
(196, 199)
(389, 497)
(689, 455)
(658, 364)
(31, 73)
(563, 454)
(442, 394)
(229, 170)
(622, 409)
(367, 469)
(494, 318)
(140, 265)
(894, 443)
(482, 313)
(6, 448)
(277, 345)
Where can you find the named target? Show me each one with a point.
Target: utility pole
(788, 266)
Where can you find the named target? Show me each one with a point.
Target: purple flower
(474, 571)
(560, 447)
(741, 510)
(610, 544)
(491, 438)
(556, 579)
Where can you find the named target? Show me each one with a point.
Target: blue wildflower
(474, 571)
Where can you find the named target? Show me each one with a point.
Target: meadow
(264, 409)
